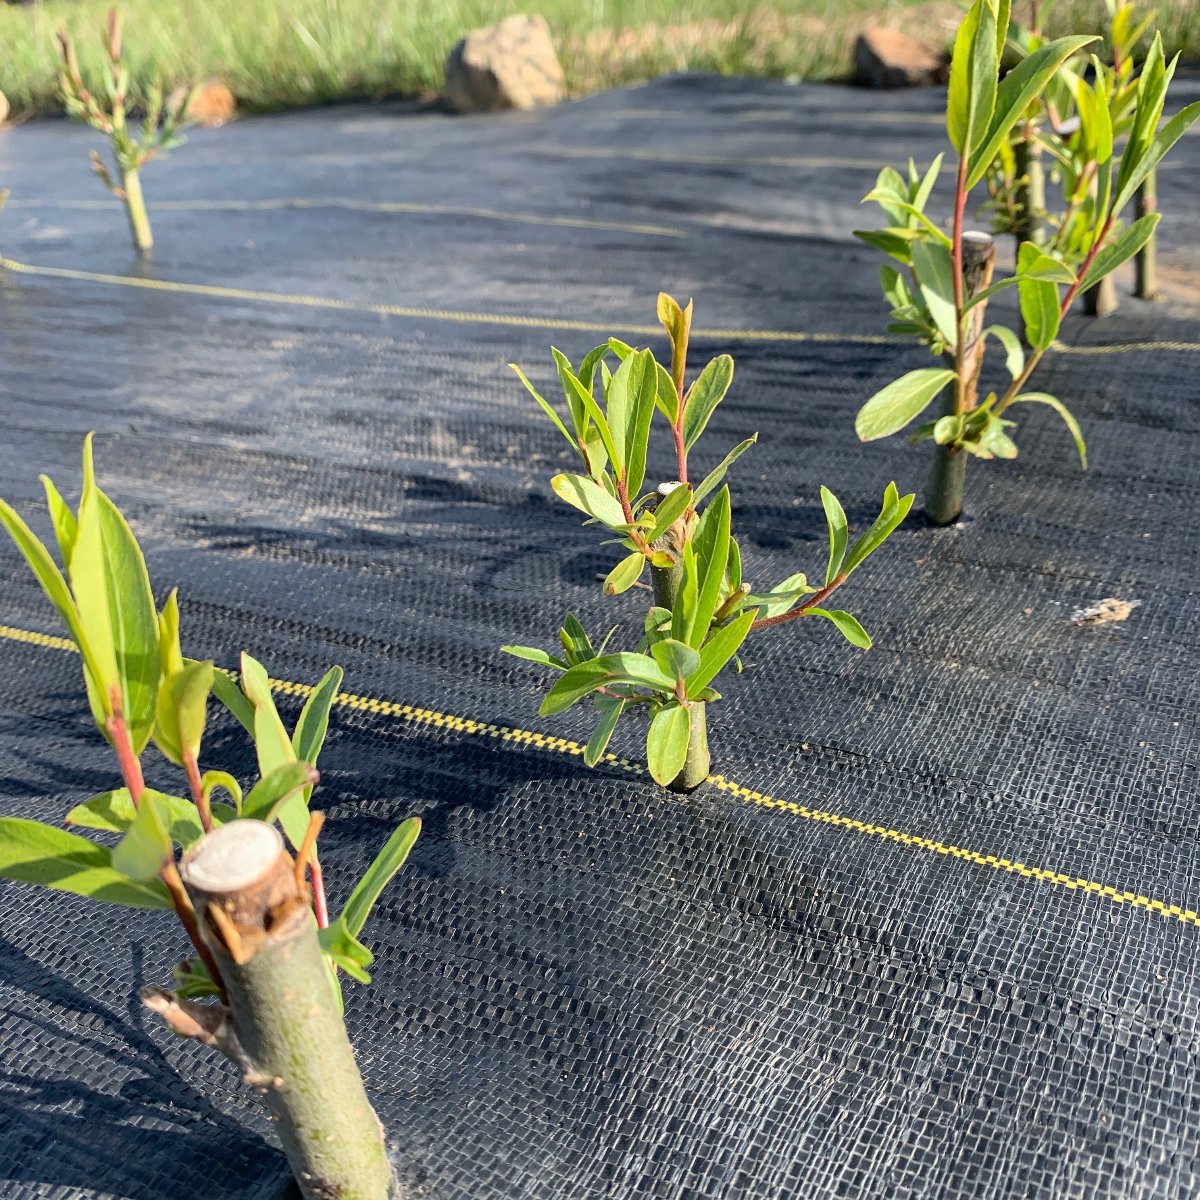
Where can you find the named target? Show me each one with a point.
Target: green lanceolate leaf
(226, 691)
(1017, 91)
(637, 670)
(895, 509)
(181, 711)
(683, 616)
(667, 399)
(677, 659)
(669, 509)
(935, 277)
(714, 478)
(633, 382)
(642, 385)
(116, 612)
(309, 734)
(711, 543)
(146, 847)
(667, 743)
(971, 99)
(575, 641)
(1123, 248)
(546, 407)
(268, 797)
(610, 709)
(1039, 302)
(31, 852)
(835, 518)
(345, 951)
(903, 400)
(704, 395)
(66, 528)
(1062, 410)
(590, 498)
(782, 597)
(718, 650)
(114, 813)
(572, 387)
(534, 655)
(1160, 144)
(379, 874)
(847, 625)
(211, 780)
(170, 653)
(625, 574)
(1014, 352)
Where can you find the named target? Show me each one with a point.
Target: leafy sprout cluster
(143, 691)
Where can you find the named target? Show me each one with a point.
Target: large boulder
(887, 58)
(509, 65)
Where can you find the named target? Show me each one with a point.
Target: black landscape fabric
(934, 937)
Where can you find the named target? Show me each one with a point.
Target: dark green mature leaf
(718, 650)
(683, 616)
(971, 99)
(625, 574)
(1039, 302)
(1062, 410)
(590, 498)
(704, 395)
(146, 847)
(270, 794)
(711, 543)
(642, 385)
(638, 670)
(1017, 91)
(379, 874)
(309, 734)
(935, 278)
(677, 659)
(610, 709)
(903, 400)
(667, 742)
(1123, 248)
(835, 518)
(31, 852)
(847, 625)
(895, 509)
(533, 654)
(546, 407)
(713, 479)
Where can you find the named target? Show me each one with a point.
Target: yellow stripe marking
(272, 205)
(541, 741)
(216, 292)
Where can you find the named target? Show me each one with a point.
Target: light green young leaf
(590, 498)
(718, 650)
(345, 951)
(678, 323)
(683, 617)
(146, 847)
(643, 393)
(1014, 352)
(935, 278)
(610, 709)
(1161, 143)
(181, 711)
(704, 395)
(546, 407)
(113, 812)
(669, 509)
(575, 641)
(1068, 419)
(713, 479)
(66, 528)
(782, 597)
(1123, 248)
(379, 874)
(31, 852)
(625, 574)
(847, 625)
(269, 795)
(170, 653)
(226, 691)
(572, 385)
(903, 400)
(677, 659)
(667, 398)
(711, 543)
(835, 518)
(973, 71)
(667, 743)
(895, 509)
(1039, 302)
(309, 734)
(534, 655)
(211, 780)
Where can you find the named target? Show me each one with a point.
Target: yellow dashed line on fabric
(272, 205)
(524, 737)
(216, 292)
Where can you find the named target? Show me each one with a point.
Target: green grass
(286, 53)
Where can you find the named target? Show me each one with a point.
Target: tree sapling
(703, 608)
(943, 299)
(263, 984)
(161, 127)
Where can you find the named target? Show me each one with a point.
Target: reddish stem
(960, 207)
(196, 784)
(812, 602)
(320, 906)
(680, 448)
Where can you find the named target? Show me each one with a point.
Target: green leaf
(896, 243)
(973, 69)
(895, 509)
(848, 626)
(718, 650)
(633, 383)
(935, 278)
(170, 653)
(667, 743)
(547, 408)
(116, 612)
(704, 395)
(683, 616)
(268, 796)
(575, 641)
(625, 574)
(669, 509)
(211, 780)
(66, 528)
(1039, 302)
(1130, 241)
(643, 393)
(677, 659)
(572, 386)
(345, 951)
(313, 725)
(667, 398)
(903, 400)
(590, 498)
(146, 847)
(678, 323)
(379, 874)
(638, 670)
(1017, 91)
(1014, 352)
(31, 852)
(782, 597)
(113, 812)
(1159, 146)
(711, 543)
(226, 691)
(713, 479)
(181, 711)
(610, 709)
(533, 654)
(835, 518)
(1062, 410)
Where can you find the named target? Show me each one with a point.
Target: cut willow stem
(135, 208)
(1146, 260)
(1101, 299)
(1031, 187)
(288, 1034)
(666, 582)
(948, 471)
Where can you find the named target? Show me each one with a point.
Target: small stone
(212, 104)
(887, 58)
(512, 64)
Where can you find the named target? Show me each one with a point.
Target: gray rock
(512, 64)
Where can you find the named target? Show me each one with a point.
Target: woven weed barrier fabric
(930, 935)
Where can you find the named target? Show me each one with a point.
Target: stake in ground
(263, 985)
(703, 609)
(942, 297)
